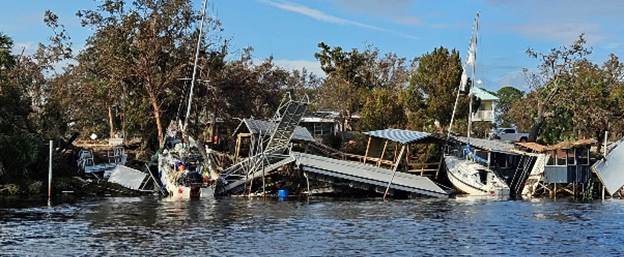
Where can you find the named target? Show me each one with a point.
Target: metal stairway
(523, 170)
(274, 153)
(287, 117)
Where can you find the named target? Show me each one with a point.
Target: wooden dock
(367, 174)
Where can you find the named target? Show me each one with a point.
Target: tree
(352, 75)
(571, 96)
(382, 109)
(507, 96)
(148, 45)
(433, 88)
(554, 71)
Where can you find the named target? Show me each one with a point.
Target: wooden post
(367, 147)
(394, 171)
(237, 147)
(407, 158)
(555, 192)
(605, 144)
(383, 152)
(396, 149)
(50, 174)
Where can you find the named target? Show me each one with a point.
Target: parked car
(509, 135)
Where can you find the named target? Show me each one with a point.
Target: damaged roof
(536, 147)
(487, 144)
(609, 169)
(401, 135)
(266, 127)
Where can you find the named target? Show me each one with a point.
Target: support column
(367, 147)
(50, 174)
(383, 152)
(394, 171)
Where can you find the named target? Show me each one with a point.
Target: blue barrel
(282, 193)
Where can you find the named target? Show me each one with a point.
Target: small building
(251, 132)
(321, 123)
(486, 111)
(568, 164)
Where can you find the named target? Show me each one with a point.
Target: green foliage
(433, 88)
(572, 97)
(507, 96)
(353, 76)
(382, 109)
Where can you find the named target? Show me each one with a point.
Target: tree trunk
(111, 124)
(156, 112)
(537, 123)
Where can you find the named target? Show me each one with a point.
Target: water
(316, 227)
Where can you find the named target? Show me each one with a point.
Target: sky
(290, 30)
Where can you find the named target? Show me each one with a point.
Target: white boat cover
(610, 170)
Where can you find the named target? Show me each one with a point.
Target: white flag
(471, 60)
(464, 81)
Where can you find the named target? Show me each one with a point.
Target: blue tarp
(400, 135)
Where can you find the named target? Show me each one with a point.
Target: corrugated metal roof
(610, 170)
(266, 127)
(368, 174)
(487, 144)
(399, 135)
(483, 94)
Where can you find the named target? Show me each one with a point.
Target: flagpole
(473, 48)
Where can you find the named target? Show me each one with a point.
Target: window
(571, 157)
(552, 159)
(509, 131)
(582, 154)
(561, 157)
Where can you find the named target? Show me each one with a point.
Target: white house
(486, 111)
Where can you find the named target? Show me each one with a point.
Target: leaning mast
(199, 39)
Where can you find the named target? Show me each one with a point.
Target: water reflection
(313, 227)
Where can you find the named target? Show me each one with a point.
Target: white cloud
(27, 48)
(562, 32)
(324, 17)
(310, 66)
(515, 79)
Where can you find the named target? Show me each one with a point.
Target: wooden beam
(367, 147)
(396, 166)
(383, 152)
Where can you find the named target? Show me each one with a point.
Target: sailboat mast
(199, 39)
(473, 61)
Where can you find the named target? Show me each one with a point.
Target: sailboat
(473, 178)
(467, 175)
(184, 166)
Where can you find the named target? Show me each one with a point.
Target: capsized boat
(474, 179)
(185, 171)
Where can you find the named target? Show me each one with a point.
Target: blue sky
(290, 30)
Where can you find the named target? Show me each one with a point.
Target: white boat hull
(464, 175)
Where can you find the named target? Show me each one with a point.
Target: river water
(149, 226)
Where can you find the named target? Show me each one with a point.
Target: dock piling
(50, 174)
